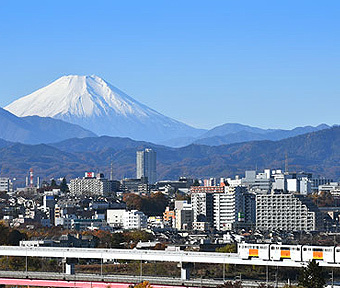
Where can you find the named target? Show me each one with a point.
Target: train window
(317, 249)
(272, 248)
(338, 250)
(304, 249)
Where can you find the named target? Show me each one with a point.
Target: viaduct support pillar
(185, 270)
(70, 265)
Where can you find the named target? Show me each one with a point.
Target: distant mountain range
(93, 105)
(316, 152)
(34, 129)
(237, 133)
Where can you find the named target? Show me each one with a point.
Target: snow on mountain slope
(96, 105)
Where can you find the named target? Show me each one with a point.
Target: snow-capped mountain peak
(93, 103)
(82, 96)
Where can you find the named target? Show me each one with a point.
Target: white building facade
(288, 212)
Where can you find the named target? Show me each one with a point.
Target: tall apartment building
(288, 212)
(202, 206)
(223, 206)
(234, 206)
(146, 165)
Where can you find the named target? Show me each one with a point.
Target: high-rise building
(223, 207)
(146, 165)
(229, 207)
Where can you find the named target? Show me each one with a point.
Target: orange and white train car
(282, 252)
(248, 251)
(319, 253)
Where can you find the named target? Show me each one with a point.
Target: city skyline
(271, 66)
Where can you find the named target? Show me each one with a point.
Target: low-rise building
(115, 217)
(6, 184)
(134, 219)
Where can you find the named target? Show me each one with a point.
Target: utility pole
(332, 278)
(276, 277)
(141, 270)
(101, 266)
(26, 260)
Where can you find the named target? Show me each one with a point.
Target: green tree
(116, 240)
(312, 276)
(53, 184)
(63, 185)
(229, 248)
(4, 231)
(196, 183)
(14, 237)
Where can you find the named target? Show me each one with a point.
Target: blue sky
(272, 64)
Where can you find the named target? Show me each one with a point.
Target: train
(298, 253)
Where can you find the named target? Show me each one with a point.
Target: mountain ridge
(34, 129)
(317, 152)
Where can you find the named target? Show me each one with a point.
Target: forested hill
(317, 152)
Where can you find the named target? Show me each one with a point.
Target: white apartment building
(235, 206)
(288, 212)
(134, 219)
(227, 205)
(223, 206)
(90, 185)
(184, 215)
(115, 217)
(5, 184)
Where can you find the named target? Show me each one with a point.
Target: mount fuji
(96, 105)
